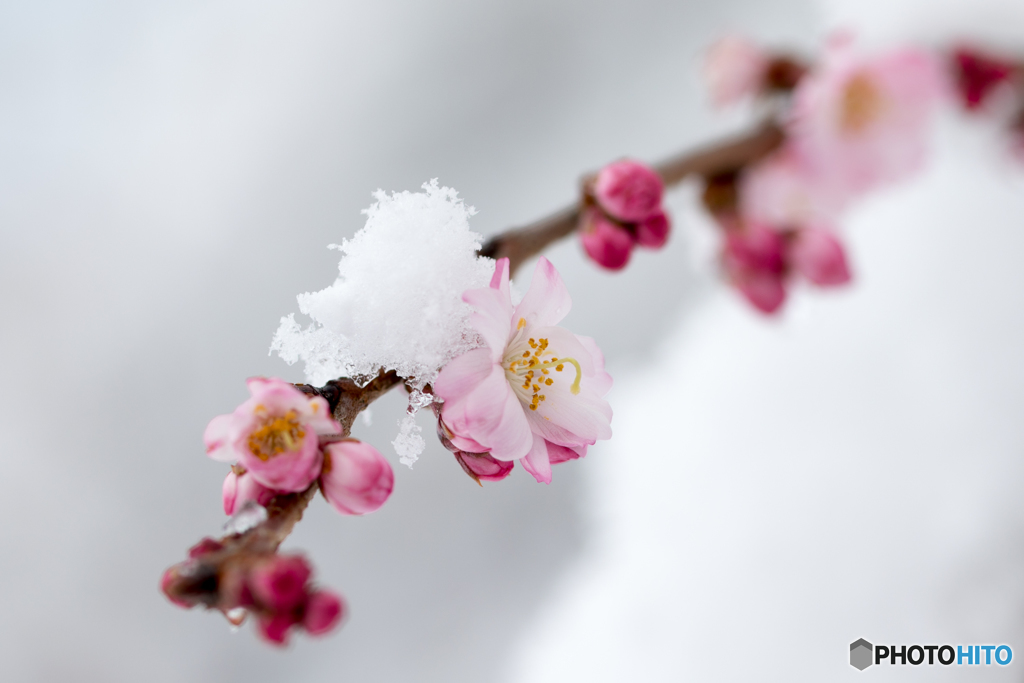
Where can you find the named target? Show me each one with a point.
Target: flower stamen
(276, 435)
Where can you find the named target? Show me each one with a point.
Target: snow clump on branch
(397, 303)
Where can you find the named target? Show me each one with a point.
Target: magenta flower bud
(978, 75)
(628, 190)
(652, 232)
(356, 478)
(482, 466)
(754, 259)
(817, 255)
(607, 243)
(207, 545)
(274, 628)
(324, 611)
(240, 488)
(280, 583)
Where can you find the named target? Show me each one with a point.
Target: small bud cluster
(622, 209)
(275, 589)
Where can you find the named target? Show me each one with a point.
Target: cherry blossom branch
(726, 157)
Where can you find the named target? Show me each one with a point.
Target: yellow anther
(276, 435)
(559, 367)
(549, 381)
(522, 324)
(526, 354)
(542, 397)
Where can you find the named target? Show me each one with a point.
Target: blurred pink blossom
(356, 478)
(787, 190)
(652, 232)
(754, 260)
(273, 435)
(734, 68)
(978, 75)
(535, 388)
(863, 121)
(279, 584)
(324, 610)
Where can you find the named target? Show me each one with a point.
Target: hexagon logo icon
(860, 654)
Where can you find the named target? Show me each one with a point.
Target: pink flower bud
(754, 261)
(766, 291)
(652, 232)
(324, 611)
(241, 488)
(978, 75)
(279, 584)
(482, 466)
(275, 627)
(628, 190)
(608, 243)
(207, 545)
(817, 255)
(356, 478)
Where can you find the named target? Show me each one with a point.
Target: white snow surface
(397, 303)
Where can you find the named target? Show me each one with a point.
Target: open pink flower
(734, 68)
(535, 392)
(273, 435)
(356, 478)
(863, 121)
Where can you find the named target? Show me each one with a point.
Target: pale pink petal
(492, 318)
(511, 438)
(547, 301)
(734, 68)
(476, 414)
(537, 462)
(463, 374)
(481, 466)
(218, 437)
(600, 382)
(238, 490)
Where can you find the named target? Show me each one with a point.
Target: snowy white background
(171, 174)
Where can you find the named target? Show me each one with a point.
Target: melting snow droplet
(409, 442)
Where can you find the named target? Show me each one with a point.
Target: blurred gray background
(171, 176)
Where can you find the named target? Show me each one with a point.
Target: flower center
(276, 435)
(532, 368)
(861, 104)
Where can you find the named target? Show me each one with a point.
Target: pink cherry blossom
(787, 190)
(273, 435)
(324, 610)
(241, 488)
(605, 241)
(734, 68)
(534, 389)
(863, 121)
(356, 478)
(628, 190)
(276, 627)
(816, 254)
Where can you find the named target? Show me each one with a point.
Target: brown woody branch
(208, 579)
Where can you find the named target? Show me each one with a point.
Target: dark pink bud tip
(280, 583)
(605, 242)
(324, 611)
(275, 628)
(978, 75)
(628, 190)
(652, 232)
